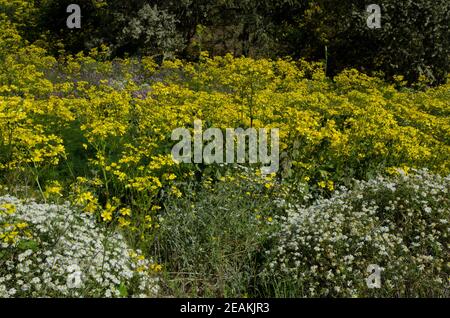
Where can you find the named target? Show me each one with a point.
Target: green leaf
(28, 245)
(123, 290)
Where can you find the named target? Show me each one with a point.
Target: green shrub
(414, 38)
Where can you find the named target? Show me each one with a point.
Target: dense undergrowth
(96, 133)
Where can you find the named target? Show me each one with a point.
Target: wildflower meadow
(93, 202)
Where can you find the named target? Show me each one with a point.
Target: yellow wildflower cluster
(143, 265)
(11, 233)
(110, 130)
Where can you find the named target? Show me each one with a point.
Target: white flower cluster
(63, 253)
(399, 223)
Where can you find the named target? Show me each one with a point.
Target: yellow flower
(11, 237)
(155, 268)
(106, 216)
(22, 225)
(123, 222)
(8, 208)
(148, 220)
(268, 185)
(108, 212)
(54, 189)
(330, 185)
(125, 211)
(91, 207)
(170, 176)
(175, 191)
(82, 180)
(84, 197)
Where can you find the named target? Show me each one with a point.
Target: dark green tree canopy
(414, 38)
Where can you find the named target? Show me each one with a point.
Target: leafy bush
(414, 38)
(55, 251)
(399, 223)
(150, 31)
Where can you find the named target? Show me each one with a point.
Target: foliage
(20, 12)
(413, 39)
(217, 249)
(150, 31)
(97, 132)
(117, 129)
